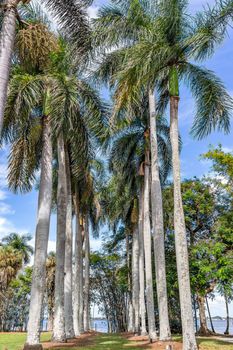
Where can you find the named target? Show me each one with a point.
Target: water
(220, 326)
(100, 325)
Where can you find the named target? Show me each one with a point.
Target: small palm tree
(20, 243)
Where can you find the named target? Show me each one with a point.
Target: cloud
(95, 244)
(93, 11)
(6, 227)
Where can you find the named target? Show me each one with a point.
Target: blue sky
(18, 212)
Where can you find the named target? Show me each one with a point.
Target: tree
(10, 264)
(168, 45)
(72, 19)
(20, 243)
(50, 287)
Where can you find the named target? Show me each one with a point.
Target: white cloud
(6, 227)
(5, 209)
(92, 11)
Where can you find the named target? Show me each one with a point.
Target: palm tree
(161, 57)
(129, 152)
(132, 18)
(71, 17)
(59, 333)
(20, 243)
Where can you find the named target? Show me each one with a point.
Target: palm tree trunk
(210, 317)
(189, 340)
(142, 306)
(203, 330)
(86, 312)
(68, 305)
(59, 334)
(81, 298)
(135, 280)
(6, 48)
(158, 227)
(228, 316)
(78, 255)
(41, 239)
(78, 274)
(147, 251)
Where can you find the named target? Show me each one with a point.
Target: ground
(97, 341)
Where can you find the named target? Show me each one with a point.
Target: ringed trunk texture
(86, 312)
(78, 266)
(203, 330)
(68, 305)
(147, 252)
(189, 341)
(41, 239)
(59, 334)
(135, 280)
(7, 40)
(142, 305)
(158, 227)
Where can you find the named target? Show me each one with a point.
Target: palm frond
(214, 104)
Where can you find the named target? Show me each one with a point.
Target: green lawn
(104, 342)
(15, 341)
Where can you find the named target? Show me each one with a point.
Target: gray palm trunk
(41, 239)
(135, 280)
(68, 305)
(86, 312)
(78, 272)
(59, 334)
(158, 227)
(189, 341)
(142, 304)
(7, 39)
(148, 253)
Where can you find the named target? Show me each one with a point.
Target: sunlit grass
(15, 341)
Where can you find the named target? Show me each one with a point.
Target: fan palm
(20, 243)
(158, 49)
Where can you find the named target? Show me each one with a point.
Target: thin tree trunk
(203, 330)
(7, 39)
(228, 316)
(142, 267)
(81, 308)
(78, 254)
(189, 340)
(195, 312)
(41, 239)
(135, 280)
(59, 334)
(158, 227)
(210, 317)
(68, 304)
(87, 278)
(147, 250)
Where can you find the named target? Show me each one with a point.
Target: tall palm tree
(20, 243)
(161, 57)
(71, 17)
(134, 17)
(131, 150)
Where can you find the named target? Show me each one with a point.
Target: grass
(15, 341)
